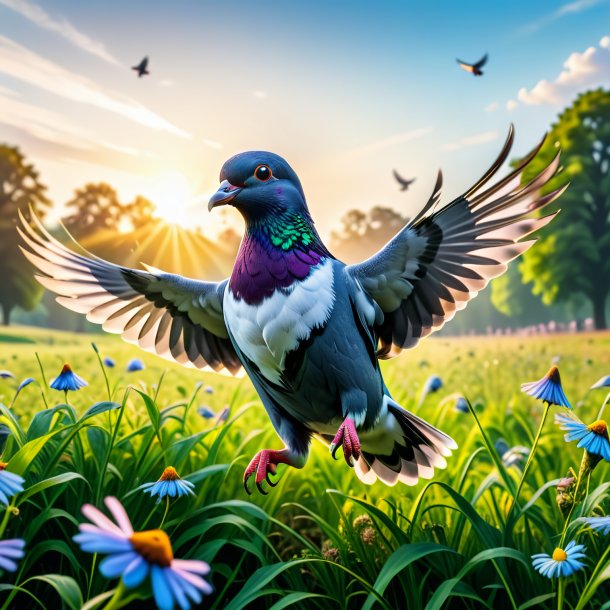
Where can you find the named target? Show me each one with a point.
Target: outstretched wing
(481, 62)
(177, 318)
(402, 181)
(465, 66)
(444, 257)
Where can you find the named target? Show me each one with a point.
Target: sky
(345, 91)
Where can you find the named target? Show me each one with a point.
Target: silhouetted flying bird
(142, 68)
(473, 68)
(308, 329)
(404, 184)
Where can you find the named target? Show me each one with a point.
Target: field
(320, 539)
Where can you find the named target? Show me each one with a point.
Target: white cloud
(29, 67)
(36, 14)
(492, 107)
(399, 138)
(479, 138)
(511, 105)
(571, 8)
(585, 70)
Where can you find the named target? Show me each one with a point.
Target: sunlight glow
(172, 195)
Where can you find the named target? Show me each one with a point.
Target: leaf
(536, 601)
(100, 407)
(65, 586)
(400, 559)
(151, 408)
(24, 458)
(59, 479)
(41, 422)
(295, 597)
(96, 601)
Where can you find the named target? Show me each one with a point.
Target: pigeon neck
(274, 254)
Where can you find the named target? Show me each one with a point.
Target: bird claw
(263, 465)
(346, 437)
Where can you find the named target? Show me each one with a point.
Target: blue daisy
(461, 404)
(603, 382)
(208, 389)
(206, 412)
(10, 484)
(169, 484)
(563, 562)
(6, 375)
(109, 362)
(135, 365)
(599, 524)
(68, 380)
(548, 389)
(593, 438)
(134, 556)
(10, 551)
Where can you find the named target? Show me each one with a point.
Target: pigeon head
(259, 184)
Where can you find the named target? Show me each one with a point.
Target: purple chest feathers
(261, 268)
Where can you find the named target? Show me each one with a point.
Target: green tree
(572, 256)
(20, 188)
(93, 207)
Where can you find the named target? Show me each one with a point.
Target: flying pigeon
(474, 68)
(307, 329)
(142, 68)
(404, 184)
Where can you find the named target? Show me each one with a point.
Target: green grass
(320, 539)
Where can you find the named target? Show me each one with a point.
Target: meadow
(320, 539)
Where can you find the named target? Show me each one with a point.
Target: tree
(20, 188)
(572, 256)
(363, 234)
(93, 207)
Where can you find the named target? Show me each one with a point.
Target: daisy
(433, 384)
(206, 412)
(208, 389)
(6, 375)
(593, 438)
(604, 382)
(599, 524)
(68, 380)
(136, 555)
(10, 484)
(10, 551)
(135, 365)
(548, 389)
(169, 484)
(563, 562)
(461, 404)
(109, 362)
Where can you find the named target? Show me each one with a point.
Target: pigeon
(404, 184)
(306, 328)
(474, 68)
(142, 68)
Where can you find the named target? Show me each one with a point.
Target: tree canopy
(20, 188)
(572, 256)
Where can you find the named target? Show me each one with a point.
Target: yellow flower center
(169, 474)
(66, 369)
(3, 465)
(154, 546)
(559, 555)
(599, 427)
(553, 375)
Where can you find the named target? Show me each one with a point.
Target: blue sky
(345, 91)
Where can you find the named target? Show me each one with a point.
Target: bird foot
(348, 438)
(264, 464)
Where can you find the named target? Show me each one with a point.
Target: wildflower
(136, 555)
(68, 380)
(368, 535)
(206, 412)
(169, 484)
(565, 495)
(109, 362)
(599, 524)
(563, 562)
(515, 456)
(330, 552)
(6, 375)
(501, 446)
(208, 389)
(461, 404)
(135, 365)
(548, 389)
(603, 382)
(361, 522)
(223, 416)
(10, 483)
(433, 384)
(593, 438)
(22, 385)
(10, 551)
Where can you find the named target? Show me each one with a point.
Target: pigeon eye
(262, 173)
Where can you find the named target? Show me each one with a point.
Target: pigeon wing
(444, 257)
(169, 315)
(465, 66)
(481, 62)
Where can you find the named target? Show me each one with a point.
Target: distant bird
(474, 68)
(404, 184)
(306, 328)
(141, 68)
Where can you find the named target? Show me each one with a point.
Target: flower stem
(99, 359)
(165, 513)
(601, 410)
(581, 475)
(529, 459)
(115, 601)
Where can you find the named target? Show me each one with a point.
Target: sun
(172, 195)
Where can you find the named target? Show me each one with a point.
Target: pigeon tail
(401, 447)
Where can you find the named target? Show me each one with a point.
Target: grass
(320, 539)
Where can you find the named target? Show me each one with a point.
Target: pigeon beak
(225, 194)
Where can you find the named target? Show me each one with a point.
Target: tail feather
(402, 448)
